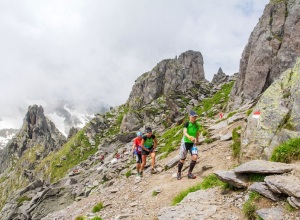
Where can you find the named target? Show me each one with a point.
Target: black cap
(148, 130)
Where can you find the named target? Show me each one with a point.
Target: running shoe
(191, 176)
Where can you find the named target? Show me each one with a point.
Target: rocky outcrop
(272, 48)
(220, 77)
(160, 95)
(273, 185)
(168, 76)
(279, 118)
(36, 130)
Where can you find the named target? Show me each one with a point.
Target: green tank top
(149, 141)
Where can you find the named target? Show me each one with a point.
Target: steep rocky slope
(272, 48)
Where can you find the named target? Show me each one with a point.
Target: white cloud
(71, 49)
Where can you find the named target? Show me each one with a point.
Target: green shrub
(154, 193)
(97, 207)
(287, 151)
(250, 207)
(256, 177)
(128, 173)
(96, 218)
(236, 145)
(208, 182)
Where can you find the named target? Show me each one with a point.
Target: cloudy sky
(95, 49)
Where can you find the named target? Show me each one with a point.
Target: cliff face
(272, 48)
(279, 119)
(36, 130)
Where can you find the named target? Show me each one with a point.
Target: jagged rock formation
(37, 138)
(168, 76)
(36, 130)
(279, 117)
(272, 48)
(166, 88)
(220, 77)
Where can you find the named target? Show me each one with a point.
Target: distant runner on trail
(137, 150)
(190, 138)
(149, 144)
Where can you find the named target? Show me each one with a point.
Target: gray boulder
(284, 184)
(263, 189)
(232, 178)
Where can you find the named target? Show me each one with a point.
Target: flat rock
(271, 213)
(263, 189)
(263, 166)
(289, 185)
(232, 178)
(173, 162)
(202, 204)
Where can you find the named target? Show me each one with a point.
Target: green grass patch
(236, 144)
(204, 132)
(289, 208)
(80, 218)
(98, 207)
(76, 150)
(208, 182)
(249, 111)
(128, 173)
(287, 152)
(96, 218)
(23, 199)
(171, 138)
(208, 103)
(249, 207)
(208, 140)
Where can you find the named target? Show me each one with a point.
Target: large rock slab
(262, 166)
(289, 185)
(232, 178)
(202, 204)
(271, 214)
(263, 189)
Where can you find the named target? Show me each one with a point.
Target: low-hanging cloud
(79, 50)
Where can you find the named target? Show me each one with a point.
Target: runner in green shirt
(190, 139)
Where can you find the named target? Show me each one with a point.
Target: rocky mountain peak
(272, 48)
(37, 130)
(179, 74)
(220, 77)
